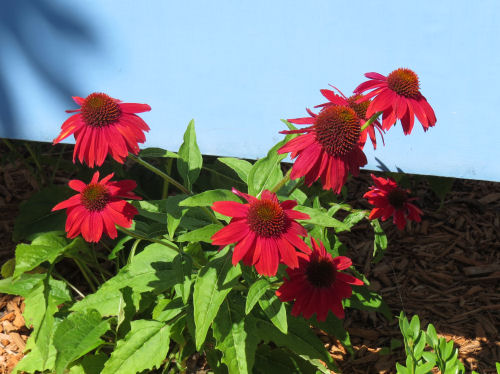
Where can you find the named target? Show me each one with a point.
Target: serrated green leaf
(151, 270)
(21, 286)
(256, 290)
(275, 310)
(266, 172)
(36, 216)
(241, 167)
(190, 160)
(202, 234)
(77, 335)
(144, 348)
(90, 364)
(46, 247)
(157, 152)
(321, 219)
(211, 287)
(207, 198)
(235, 336)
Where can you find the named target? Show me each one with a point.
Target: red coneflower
(359, 107)
(391, 200)
(330, 148)
(398, 97)
(316, 285)
(264, 230)
(104, 125)
(98, 207)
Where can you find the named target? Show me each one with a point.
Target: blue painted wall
(237, 67)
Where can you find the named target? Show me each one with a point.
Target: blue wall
(238, 67)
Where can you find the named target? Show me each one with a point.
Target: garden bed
(446, 269)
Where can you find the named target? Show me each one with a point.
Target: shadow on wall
(37, 28)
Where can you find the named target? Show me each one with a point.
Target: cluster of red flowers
(331, 146)
(265, 231)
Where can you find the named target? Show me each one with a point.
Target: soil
(446, 269)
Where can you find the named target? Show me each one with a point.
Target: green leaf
(241, 167)
(8, 268)
(167, 309)
(21, 286)
(266, 172)
(151, 270)
(119, 246)
(497, 366)
(424, 368)
(90, 364)
(174, 213)
(207, 198)
(415, 326)
(77, 335)
(256, 290)
(214, 282)
(183, 267)
(300, 339)
(144, 348)
(46, 247)
(277, 361)
(157, 152)
(236, 336)
(190, 160)
(275, 310)
(321, 219)
(419, 346)
(431, 335)
(36, 216)
(363, 299)
(379, 241)
(401, 369)
(354, 217)
(203, 234)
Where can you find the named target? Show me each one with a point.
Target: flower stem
(141, 237)
(169, 179)
(282, 182)
(85, 275)
(370, 121)
(157, 171)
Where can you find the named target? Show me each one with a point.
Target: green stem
(132, 250)
(370, 121)
(85, 274)
(282, 182)
(157, 171)
(141, 237)
(165, 182)
(57, 275)
(168, 178)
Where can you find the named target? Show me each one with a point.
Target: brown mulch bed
(446, 269)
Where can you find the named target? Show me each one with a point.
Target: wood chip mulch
(446, 269)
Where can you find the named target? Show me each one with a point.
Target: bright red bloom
(316, 285)
(391, 200)
(359, 107)
(98, 207)
(330, 148)
(104, 125)
(264, 230)
(398, 97)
